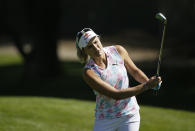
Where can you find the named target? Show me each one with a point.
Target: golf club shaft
(161, 50)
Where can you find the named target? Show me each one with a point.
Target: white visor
(85, 38)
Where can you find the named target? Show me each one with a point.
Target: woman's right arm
(104, 88)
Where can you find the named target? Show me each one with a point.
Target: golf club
(163, 19)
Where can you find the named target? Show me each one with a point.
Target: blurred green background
(38, 58)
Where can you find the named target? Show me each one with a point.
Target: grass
(45, 114)
(162, 119)
(54, 114)
(6, 59)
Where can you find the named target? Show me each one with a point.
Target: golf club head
(161, 17)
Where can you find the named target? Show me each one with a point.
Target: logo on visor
(86, 35)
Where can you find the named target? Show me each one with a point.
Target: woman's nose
(95, 46)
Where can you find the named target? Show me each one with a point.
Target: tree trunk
(33, 24)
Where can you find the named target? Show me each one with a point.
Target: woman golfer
(106, 73)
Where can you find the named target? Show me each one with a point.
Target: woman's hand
(153, 82)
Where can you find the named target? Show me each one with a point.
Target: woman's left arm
(132, 69)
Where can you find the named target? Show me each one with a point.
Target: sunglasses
(79, 34)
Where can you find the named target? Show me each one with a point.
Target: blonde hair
(83, 57)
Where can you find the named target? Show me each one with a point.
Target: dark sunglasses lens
(79, 34)
(86, 29)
